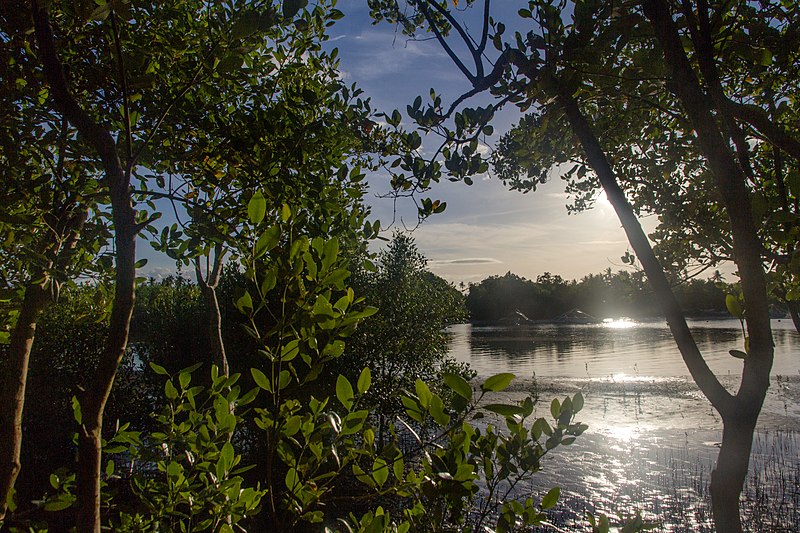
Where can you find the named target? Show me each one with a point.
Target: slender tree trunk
(12, 397)
(708, 383)
(213, 316)
(93, 401)
(727, 478)
(739, 421)
(117, 181)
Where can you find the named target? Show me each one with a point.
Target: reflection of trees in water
(564, 342)
(598, 351)
(561, 342)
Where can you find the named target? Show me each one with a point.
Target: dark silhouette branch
(443, 42)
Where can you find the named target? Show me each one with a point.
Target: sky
(486, 229)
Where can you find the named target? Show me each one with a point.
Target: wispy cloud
(467, 261)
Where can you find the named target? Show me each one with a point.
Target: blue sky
(486, 228)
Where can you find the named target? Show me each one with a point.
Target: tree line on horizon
(605, 295)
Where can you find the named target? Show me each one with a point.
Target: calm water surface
(653, 438)
(633, 349)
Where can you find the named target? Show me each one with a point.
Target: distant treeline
(609, 294)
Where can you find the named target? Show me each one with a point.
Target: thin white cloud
(467, 261)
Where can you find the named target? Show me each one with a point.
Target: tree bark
(208, 289)
(12, 397)
(708, 383)
(117, 180)
(739, 422)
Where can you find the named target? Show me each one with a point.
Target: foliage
(182, 470)
(70, 338)
(406, 339)
(164, 324)
(197, 485)
(608, 294)
(184, 475)
(277, 124)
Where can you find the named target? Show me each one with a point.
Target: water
(592, 351)
(653, 437)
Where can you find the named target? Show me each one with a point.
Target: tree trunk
(740, 420)
(208, 289)
(93, 402)
(708, 383)
(12, 399)
(117, 181)
(727, 478)
(214, 328)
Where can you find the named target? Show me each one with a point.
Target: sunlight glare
(619, 323)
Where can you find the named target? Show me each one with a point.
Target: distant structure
(575, 316)
(516, 318)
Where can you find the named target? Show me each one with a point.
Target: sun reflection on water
(622, 433)
(619, 323)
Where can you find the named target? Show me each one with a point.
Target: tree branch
(126, 106)
(445, 46)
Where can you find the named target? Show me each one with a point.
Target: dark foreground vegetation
(189, 449)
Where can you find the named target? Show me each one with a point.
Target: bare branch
(443, 42)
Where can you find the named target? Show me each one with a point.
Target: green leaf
(158, 369)
(577, 402)
(261, 379)
(344, 392)
(292, 7)
(734, 306)
(380, 471)
(458, 385)
(286, 213)
(284, 378)
(269, 281)
(245, 303)
(61, 502)
(436, 410)
(76, 410)
(364, 381)
(292, 480)
(497, 382)
(550, 499)
(290, 350)
(170, 391)
(257, 208)
(765, 59)
(267, 241)
(228, 64)
(246, 25)
(555, 408)
(423, 393)
(738, 354)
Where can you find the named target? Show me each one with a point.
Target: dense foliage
(412, 300)
(605, 295)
